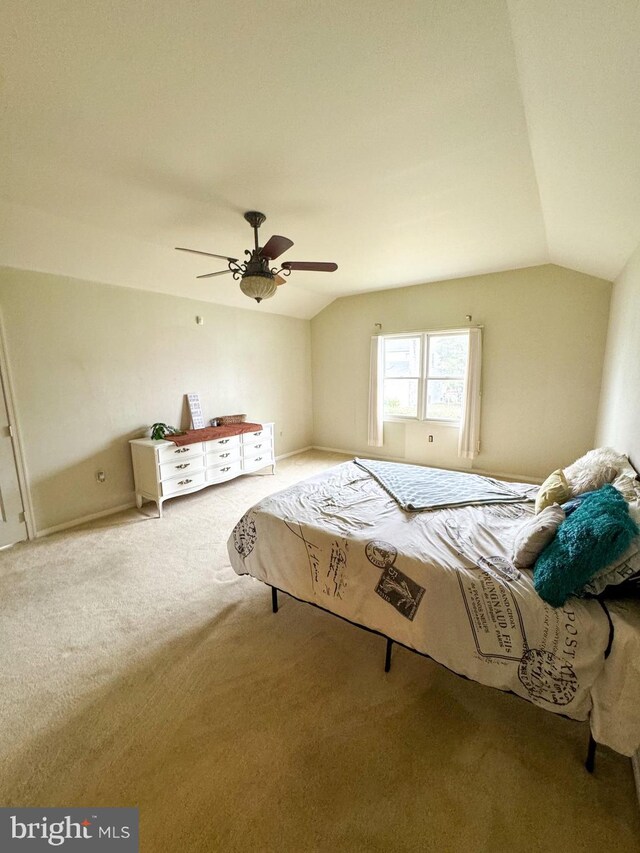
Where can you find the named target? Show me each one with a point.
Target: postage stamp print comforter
(441, 582)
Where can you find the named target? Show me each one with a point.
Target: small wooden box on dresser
(164, 470)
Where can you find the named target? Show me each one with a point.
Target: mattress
(442, 582)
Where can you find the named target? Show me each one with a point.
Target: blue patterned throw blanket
(416, 488)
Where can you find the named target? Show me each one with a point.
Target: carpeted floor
(138, 669)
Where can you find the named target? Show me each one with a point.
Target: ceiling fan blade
(275, 246)
(208, 254)
(317, 266)
(211, 274)
(280, 280)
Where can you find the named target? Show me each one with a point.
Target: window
(424, 376)
(402, 373)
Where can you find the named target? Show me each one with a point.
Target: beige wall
(619, 417)
(94, 364)
(544, 340)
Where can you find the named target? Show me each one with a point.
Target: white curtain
(375, 392)
(469, 439)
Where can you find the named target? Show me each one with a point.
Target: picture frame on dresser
(163, 469)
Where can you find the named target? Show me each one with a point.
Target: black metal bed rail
(590, 761)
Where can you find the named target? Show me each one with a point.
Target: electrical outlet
(101, 476)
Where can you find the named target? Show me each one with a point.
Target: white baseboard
(343, 452)
(293, 453)
(95, 515)
(85, 518)
(504, 475)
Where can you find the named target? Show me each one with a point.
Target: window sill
(397, 419)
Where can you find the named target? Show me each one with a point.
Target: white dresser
(162, 469)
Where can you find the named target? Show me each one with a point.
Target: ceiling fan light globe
(258, 287)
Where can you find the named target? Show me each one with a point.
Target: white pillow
(535, 534)
(628, 487)
(629, 470)
(594, 469)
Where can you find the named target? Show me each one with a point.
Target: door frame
(21, 468)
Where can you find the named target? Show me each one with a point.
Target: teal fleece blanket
(591, 538)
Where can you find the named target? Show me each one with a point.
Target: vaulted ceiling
(409, 141)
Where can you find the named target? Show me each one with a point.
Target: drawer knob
(184, 482)
(258, 458)
(224, 441)
(258, 433)
(184, 465)
(224, 455)
(182, 450)
(228, 468)
(258, 445)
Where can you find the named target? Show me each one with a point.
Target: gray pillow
(621, 570)
(535, 534)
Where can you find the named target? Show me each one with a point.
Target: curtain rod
(431, 331)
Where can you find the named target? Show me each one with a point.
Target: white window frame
(423, 378)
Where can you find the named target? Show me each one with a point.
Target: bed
(441, 582)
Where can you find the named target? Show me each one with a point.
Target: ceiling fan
(257, 279)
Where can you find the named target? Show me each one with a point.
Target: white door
(12, 524)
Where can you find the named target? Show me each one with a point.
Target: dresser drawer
(260, 448)
(180, 484)
(254, 463)
(224, 472)
(180, 466)
(223, 457)
(263, 434)
(166, 454)
(222, 444)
